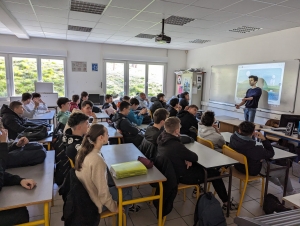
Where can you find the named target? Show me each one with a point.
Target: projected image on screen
(270, 77)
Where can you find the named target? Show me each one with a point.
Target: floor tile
(172, 215)
(184, 208)
(36, 210)
(243, 213)
(58, 206)
(254, 208)
(236, 196)
(229, 220)
(176, 222)
(189, 220)
(252, 192)
(55, 219)
(143, 217)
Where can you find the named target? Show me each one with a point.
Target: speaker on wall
(290, 128)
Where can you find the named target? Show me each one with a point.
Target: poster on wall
(94, 67)
(179, 79)
(199, 79)
(187, 84)
(79, 66)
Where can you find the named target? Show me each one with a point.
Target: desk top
(17, 196)
(114, 154)
(237, 122)
(281, 134)
(224, 117)
(101, 115)
(112, 132)
(294, 199)
(279, 154)
(44, 116)
(208, 157)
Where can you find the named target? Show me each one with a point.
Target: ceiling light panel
(78, 28)
(177, 20)
(201, 41)
(244, 29)
(87, 7)
(148, 36)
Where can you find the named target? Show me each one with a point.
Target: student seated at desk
(136, 118)
(210, 131)
(144, 102)
(91, 170)
(189, 123)
(149, 144)
(63, 115)
(75, 102)
(12, 120)
(85, 97)
(36, 97)
(257, 155)
(184, 100)
(130, 133)
(174, 107)
(28, 111)
(87, 109)
(18, 215)
(158, 102)
(184, 161)
(79, 124)
(109, 106)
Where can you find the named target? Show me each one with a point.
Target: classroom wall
(281, 45)
(96, 53)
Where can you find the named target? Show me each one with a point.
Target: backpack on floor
(208, 211)
(272, 204)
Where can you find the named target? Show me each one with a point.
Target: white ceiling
(122, 20)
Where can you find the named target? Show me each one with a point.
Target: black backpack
(272, 204)
(34, 133)
(208, 211)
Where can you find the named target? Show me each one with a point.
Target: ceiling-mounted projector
(162, 38)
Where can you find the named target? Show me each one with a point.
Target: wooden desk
(278, 154)
(112, 132)
(232, 125)
(209, 158)
(16, 196)
(44, 116)
(102, 115)
(128, 152)
(294, 199)
(268, 131)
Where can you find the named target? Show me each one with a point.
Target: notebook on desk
(128, 169)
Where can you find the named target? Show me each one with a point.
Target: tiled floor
(182, 214)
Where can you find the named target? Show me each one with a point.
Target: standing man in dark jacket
(184, 161)
(130, 133)
(79, 124)
(184, 101)
(189, 123)
(17, 215)
(12, 120)
(251, 99)
(159, 102)
(257, 155)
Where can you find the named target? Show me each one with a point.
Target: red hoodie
(73, 105)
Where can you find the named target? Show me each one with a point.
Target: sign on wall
(79, 66)
(94, 67)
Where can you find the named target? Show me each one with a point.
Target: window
(115, 78)
(155, 79)
(137, 74)
(3, 83)
(53, 71)
(24, 74)
(130, 78)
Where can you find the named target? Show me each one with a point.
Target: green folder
(128, 169)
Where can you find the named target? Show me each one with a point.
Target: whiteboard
(224, 79)
(50, 99)
(43, 87)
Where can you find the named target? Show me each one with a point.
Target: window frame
(126, 73)
(9, 71)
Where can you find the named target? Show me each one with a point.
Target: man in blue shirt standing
(251, 99)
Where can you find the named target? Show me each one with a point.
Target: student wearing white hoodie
(209, 130)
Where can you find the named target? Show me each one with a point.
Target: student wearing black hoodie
(184, 161)
(17, 215)
(257, 155)
(189, 123)
(158, 102)
(79, 124)
(130, 133)
(184, 101)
